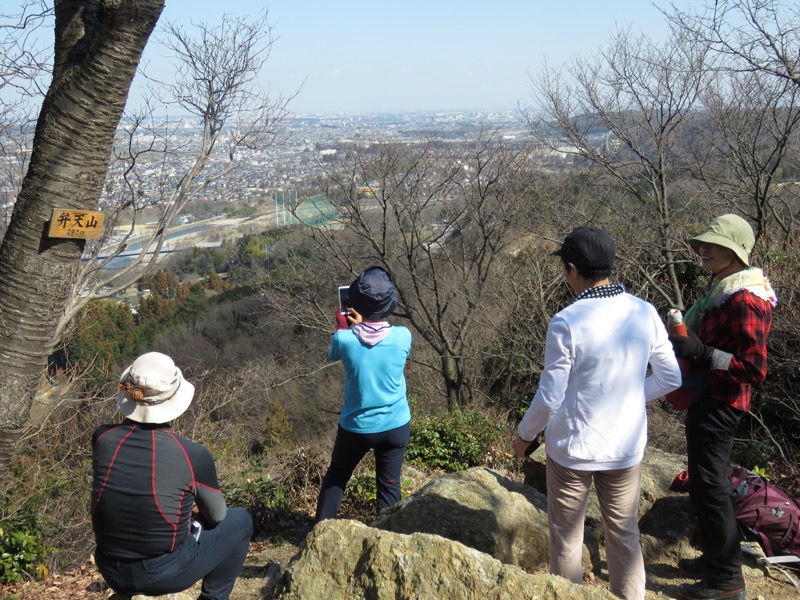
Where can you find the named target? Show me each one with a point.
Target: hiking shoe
(696, 568)
(701, 591)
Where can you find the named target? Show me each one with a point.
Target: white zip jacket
(594, 386)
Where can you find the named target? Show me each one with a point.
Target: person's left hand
(690, 347)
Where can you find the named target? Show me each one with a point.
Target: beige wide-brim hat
(729, 231)
(153, 390)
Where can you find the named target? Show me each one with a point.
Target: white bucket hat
(153, 390)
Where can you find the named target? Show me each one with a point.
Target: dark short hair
(589, 274)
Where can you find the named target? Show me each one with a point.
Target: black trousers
(348, 450)
(710, 429)
(216, 557)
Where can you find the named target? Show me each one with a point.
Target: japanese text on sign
(86, 224)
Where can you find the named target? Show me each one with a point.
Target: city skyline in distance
(415, 56)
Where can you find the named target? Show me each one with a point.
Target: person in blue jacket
(375, 415)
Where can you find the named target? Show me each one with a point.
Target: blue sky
(421, 55)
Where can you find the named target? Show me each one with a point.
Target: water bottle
(680, 398)
(675, 322)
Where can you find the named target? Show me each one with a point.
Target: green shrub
(753, 452)
(362, 487)
(359, 496)
(362, 493)
(21, 554)
(262, 496)
(453, 441)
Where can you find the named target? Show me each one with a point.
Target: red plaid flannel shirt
(739, 327)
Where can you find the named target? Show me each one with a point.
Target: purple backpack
(767, 511)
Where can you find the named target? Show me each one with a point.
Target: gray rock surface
(343, 559)
(487, 511)
(666, 530)
(481, 509)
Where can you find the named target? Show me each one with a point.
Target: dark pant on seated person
(216, 558)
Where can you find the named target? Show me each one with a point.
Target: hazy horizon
(417, 57)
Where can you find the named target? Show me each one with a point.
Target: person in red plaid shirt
(727, 342)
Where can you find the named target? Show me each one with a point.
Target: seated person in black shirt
(159, 517)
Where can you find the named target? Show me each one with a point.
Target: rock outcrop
(343, 559)
(667, 529)
(481, 509)
(508, 520)
(476, 534)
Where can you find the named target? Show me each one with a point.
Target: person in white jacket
(591, 405)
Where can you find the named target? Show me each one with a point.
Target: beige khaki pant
(618, 494)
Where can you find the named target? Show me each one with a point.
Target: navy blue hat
(372, 294)
(588, 248)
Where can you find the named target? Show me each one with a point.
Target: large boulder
(659, 468)
(481, 509)
(667, 530)
(467, 534)
(342, 560)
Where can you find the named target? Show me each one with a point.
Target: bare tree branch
(624, 112)
(440, 217)
(217, 82)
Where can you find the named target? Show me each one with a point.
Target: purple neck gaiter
(371, 333)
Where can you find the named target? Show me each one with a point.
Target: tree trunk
(98, 44)
(453, 382)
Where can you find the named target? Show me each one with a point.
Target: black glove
(690, 347)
